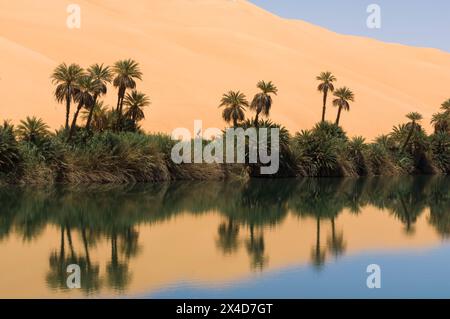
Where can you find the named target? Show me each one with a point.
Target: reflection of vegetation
(88, 215)
(335, 242)
(255, 248)
(228, 240)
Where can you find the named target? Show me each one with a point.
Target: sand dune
(191, 51)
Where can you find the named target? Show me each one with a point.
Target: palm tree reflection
(87, 218)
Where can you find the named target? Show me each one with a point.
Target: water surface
(304, 238)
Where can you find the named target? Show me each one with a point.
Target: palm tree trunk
(91, 112)
(257, 119)
(413, 127)
(121, 105)
(235, 122)
(118, 100)
(74, 121)
(325, 94)
(120, 108)
(338, 115)
(67, 110)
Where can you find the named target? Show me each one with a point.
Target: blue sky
(421, 23)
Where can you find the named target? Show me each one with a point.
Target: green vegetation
(112, 148)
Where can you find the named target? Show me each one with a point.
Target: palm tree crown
(65, 78)
(326, 84)
(32, 129)
(87, 88)
(446, 106)
(125, 71)
(135, 102)
(235, 104)
(343, 97)
(99, 116)
(102, 75)
(262, 102)
(414, 117)
(441, 122)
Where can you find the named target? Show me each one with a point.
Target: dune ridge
(192, 51)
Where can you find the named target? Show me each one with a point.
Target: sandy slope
(191, 51)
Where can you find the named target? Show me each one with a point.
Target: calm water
(271, 239)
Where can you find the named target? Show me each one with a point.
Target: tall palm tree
(135, 102)
(65, 78)
(343, 97)
(103, 75)
(126, 72)
(99, 121)
(262, 102)
(326, 84)
(446, 106)
(87, 87)
(235, 104)
(32, 129)
(414, 117)
(441, 122)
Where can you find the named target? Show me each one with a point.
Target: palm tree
(87, 87)
(441, 122)
(32, 129)
(414, 117)
(125, 71)
(99, 113)
(326, 84)
(446, 106)
(235, 104)
(65, 78)
(103, 75)
(135, 102)
(343, 97)
(262, 102)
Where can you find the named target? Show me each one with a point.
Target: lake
(290, 238)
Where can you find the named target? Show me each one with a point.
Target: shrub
(440, 149)
(318, 151)
(9, 151)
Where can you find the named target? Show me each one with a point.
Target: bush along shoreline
(105, 145)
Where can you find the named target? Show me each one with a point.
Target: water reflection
(249, 209)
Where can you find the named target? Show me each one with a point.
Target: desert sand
(192, 51)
